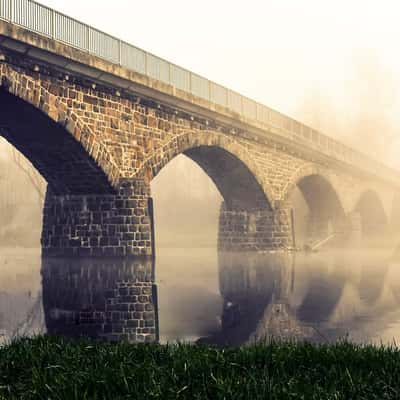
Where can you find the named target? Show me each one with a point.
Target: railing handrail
(11, 9)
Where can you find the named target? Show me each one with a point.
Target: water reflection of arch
(349, 294)
(246, 274)
(374, 270)
(249, 282)
(252, 283)
(113, 299)
(374, 219)
(326, 280)
(393, 277)
(335, 293)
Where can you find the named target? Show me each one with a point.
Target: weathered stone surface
(96, 225)
(99, 150)
(254, 230)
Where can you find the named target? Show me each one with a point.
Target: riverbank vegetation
(58, 368)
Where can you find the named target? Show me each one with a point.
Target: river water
(216, 298)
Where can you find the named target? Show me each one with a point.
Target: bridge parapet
(80, 48)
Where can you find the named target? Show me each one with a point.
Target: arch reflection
(315, 297)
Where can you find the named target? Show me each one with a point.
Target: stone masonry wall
(98, 225)
(254, 230)
(130, 138)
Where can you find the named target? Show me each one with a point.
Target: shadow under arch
(326, 209)
(228, 164)
(320, 195)
(373, 217)
(66, 163)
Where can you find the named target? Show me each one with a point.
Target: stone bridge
(99, 129)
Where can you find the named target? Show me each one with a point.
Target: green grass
(59, 368)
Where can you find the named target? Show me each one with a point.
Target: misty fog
(360, 108)
(22, 191)
(186, 204)
(350, 95)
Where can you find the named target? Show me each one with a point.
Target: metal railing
(48, 22)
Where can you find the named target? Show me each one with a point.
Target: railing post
(53, 24)
(87, 39)
(146, 62)
(11, 5)
(120, 52)
(226, 98)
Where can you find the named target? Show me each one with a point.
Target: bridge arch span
(249, 218)
(228, 164)
(307, 171)
(53, 137)
(323, 198)
(373, 216)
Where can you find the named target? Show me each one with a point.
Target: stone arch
(229, 164)
(52, 137)
(326, 212)
(372, 212)
(307, 171)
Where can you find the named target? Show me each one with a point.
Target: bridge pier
(254, 230)
(116, 224)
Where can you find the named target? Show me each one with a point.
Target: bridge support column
(254, 230)
(99, 224)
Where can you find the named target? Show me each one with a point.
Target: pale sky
(332, 64)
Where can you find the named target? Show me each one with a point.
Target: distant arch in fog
(372, 212)
(317, 187)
